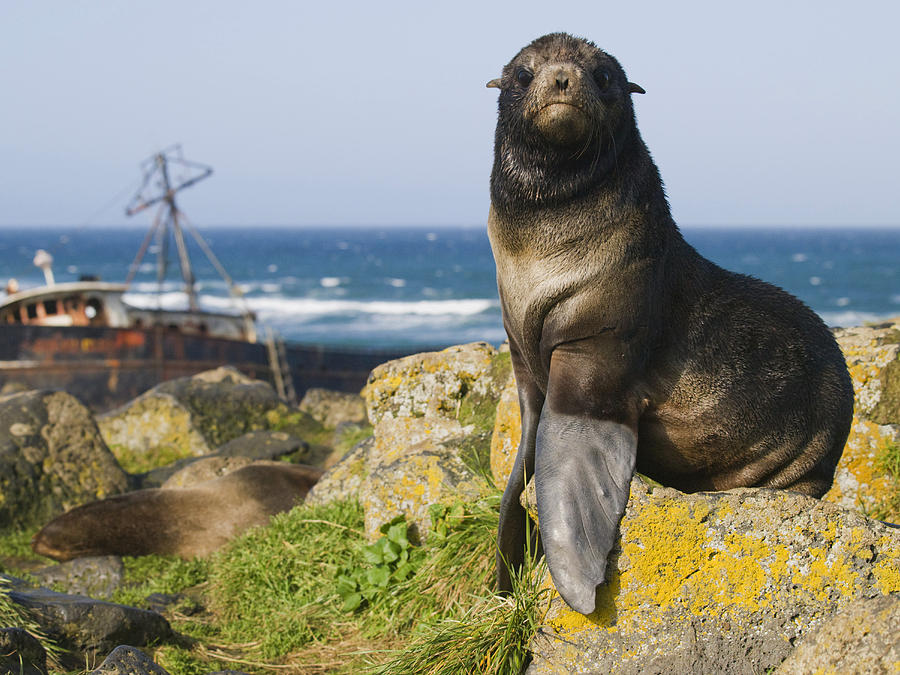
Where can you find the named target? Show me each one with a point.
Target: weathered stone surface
(95, 577)
(433, 415)
(204, 469)
(506, 434)
(343, 480)
(192, 416)
(431, 383)
(864, 638)
(331, 408)
(52, 458)
(862, 480)
(252, 446)
(87, 626)
(21, 653)
(718, 582)
(153, 423)
(125, 660)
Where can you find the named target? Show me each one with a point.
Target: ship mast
(159, 188)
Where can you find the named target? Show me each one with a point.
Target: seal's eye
(524, 77)
(601, 76)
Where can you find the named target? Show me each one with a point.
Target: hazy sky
(763, 112)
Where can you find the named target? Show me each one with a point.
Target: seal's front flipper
(583, 469)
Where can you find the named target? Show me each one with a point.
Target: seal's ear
(632, 88)
(495, 84)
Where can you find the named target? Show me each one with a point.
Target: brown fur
(629, 348)
(188, 522)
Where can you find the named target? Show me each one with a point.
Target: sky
(770, 112)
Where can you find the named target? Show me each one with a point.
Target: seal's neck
(529, 173)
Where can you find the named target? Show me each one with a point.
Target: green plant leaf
(378, 576)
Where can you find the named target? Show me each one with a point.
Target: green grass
(270, 601)
(888, 460)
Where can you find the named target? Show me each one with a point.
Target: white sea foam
(270, 307)
(329, 282)
(852, 318)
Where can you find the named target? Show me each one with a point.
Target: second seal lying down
(630, 350)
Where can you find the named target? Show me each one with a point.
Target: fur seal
(631, 351)
(188, 522)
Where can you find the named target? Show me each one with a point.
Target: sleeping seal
(188, 522)
(632, 351)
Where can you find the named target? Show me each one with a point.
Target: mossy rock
(52, 458)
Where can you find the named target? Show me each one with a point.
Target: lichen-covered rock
(718, 582)
(507, 433)
(125, 660)
(864, 638)
(52, 458)
(332, 408)
(192, 416)
(433, 414)
(344, 479)
(433, 383)
(95, 577)
(156, 424)
(863, 479)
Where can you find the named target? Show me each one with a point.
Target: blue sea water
(418, 287)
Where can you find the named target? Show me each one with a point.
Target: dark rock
(52, 458)
(163, 602)
(125, 660)
(21, 653)
(87, 626)
(95, 577)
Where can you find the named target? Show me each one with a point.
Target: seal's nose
(562, 80)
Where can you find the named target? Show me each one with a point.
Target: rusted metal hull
(106, 367)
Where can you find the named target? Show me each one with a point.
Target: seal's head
(564, 114)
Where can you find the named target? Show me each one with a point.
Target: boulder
(333, 408)
(125, 660)
(863, 479)
(718, 582)
(236, 454)
(433, 414)
(95, 577)
(21, 653)
(192, 416)
(52, 458)
(863, 638)
(86, 627)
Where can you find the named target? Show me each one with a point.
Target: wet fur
(188, 522)
(614, 319)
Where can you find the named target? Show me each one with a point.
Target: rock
(21, 653)
(204, 469)
(191, 416)
(718, 582)
(863, 638)
(52, 458)
(862, 480)
(433, 414)
(236, 454)
(125, 660)
(86, 626)
(506, 434)
(331, 408)
(95, 577)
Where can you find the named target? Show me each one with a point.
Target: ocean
(431, 287)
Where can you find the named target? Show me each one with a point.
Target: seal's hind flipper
(583, 470)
